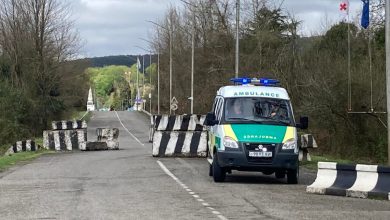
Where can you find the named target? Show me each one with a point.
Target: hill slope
(120, 60)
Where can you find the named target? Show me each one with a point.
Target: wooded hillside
(314, 70)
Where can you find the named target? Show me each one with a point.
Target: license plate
(260, 154)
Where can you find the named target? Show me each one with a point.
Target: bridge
(131, 184)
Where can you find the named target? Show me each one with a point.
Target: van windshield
(258, 110)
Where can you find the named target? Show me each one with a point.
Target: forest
(40, 78)
(314, 69)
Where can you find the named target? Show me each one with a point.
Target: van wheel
(292, 176)
(211, 170)
(280, 174)
(267, 172)
(219, 173)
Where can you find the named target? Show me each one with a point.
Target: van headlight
(228, 142)
(290, 144)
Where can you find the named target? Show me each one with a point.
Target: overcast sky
(113, 27)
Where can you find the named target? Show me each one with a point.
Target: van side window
(214, 105)
(216, 109)
(219, 109)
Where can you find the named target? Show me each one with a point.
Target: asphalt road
(131, 184)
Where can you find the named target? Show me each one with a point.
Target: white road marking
(169, 173)
(131, 134)
(222, 217)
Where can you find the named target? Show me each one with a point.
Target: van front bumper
(239, 160)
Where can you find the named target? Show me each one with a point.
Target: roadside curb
(146, 113)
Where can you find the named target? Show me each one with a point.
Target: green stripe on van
(259, 133)
(218, 142)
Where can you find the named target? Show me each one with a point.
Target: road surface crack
(259, 211)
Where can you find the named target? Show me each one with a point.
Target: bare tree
(37, 37)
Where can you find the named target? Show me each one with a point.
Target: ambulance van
(252, 128)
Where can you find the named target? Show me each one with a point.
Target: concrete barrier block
(307, 141)
(179, 122)
(179, 144)
(69, 125)
(112, 145)
(65, 140)
(83, 145)
(326, 176)
(366, 180)
(304, 155)
(46, 138)
(22, 146)
(96, 146)
(9, 152)
(359, 181)
(151, 128)
(107, 134)
(100, 145)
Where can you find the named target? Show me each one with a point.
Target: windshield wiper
(237, 118)
(277, 121)
(261, 121)
(247, 119)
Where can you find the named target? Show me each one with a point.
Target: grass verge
(19, 158)
(312, 165)
(79, 114)
(8, 161)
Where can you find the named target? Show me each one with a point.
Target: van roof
(253, 91)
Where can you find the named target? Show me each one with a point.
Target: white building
(90, 105)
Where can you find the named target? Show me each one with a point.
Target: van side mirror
(210, 119)
(303, 122)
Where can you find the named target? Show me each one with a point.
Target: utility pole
(158, 80)
(137, 91)
(192, 8)
(237, 36)
(169, 30)
(150, 80)
(192, 66)
(349, 69)
(150, 64)
(143, 73)
(170, 63)
(127, 91)
(388, 76)
(158, 65)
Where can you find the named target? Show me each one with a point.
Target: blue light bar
(254, 81)
(264, 81)
(241, 81)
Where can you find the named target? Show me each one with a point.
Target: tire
(292, 176)
(209, 157)
(219, 173)
(280, 174)
(268, 172)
